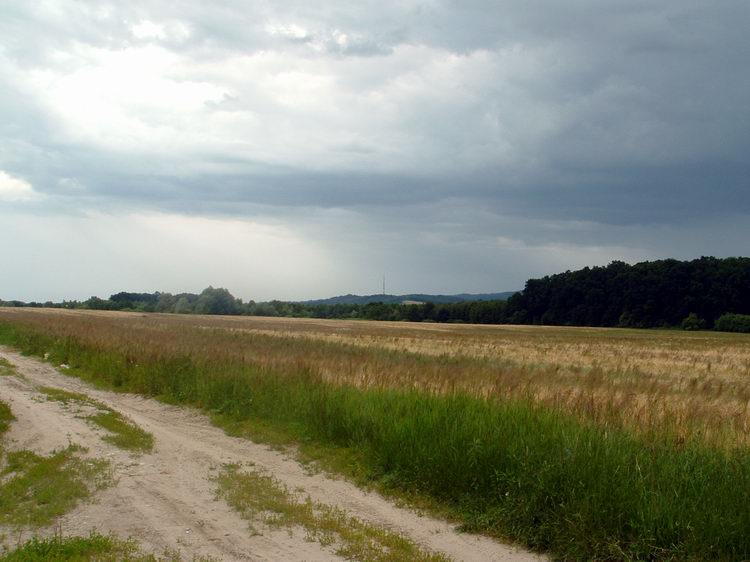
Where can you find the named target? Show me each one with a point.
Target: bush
(733, 323)
(692, 322)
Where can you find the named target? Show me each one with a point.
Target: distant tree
(428, 311)
(442, 313)
(134, 301)
(216, 301)
(183, 305)
(95, 303)
(165, 303)
(265, 309)
(248, 308)
(733, 323)
(692, 322)
(644, 295)
(413, 312)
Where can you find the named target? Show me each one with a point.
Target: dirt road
(166, 499)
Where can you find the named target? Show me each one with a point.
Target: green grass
(6, 368)
(261, 497)
(35, 489)
(510, 468)
(122, 432)
(94, 548)
(66, 397)
(6, 416)
(336, 460)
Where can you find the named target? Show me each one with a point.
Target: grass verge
(510, 468)
(261, 497)
(336, 461)
(36, 489)
(94, 548)
(6, 368)
(122, 432)
(6, 416)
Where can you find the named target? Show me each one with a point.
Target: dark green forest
(653, 294)
(703, 293)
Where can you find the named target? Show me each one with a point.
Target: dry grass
(691, 385)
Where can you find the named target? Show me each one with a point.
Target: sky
(293, 149)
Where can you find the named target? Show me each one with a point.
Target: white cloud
(132, 99)
(290, 30)
(148, 29)
(175, 31)
(15, 189)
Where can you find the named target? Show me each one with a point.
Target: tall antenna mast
(383, 284)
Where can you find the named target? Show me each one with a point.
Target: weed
(6, 416)
(6, 368)
(260, 496)
(66, 397)
(93, 548)
(123, 433)
(35, 489)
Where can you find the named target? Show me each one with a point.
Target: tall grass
(512, 467)
(695, 386)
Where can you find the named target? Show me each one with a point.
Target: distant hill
(418, 297)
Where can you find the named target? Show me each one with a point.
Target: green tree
(183, 306)
(216, 301)
(692, 322)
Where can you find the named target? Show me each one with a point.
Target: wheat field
(692, 385)
(590, 444)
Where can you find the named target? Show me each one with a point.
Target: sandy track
(166, 500)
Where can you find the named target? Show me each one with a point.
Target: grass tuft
(36, 489)
(6, 416)
(66, 397)
(123, 433)
(260, 497)
(6, 368)
(93, 548)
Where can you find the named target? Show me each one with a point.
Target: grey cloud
(451, 123)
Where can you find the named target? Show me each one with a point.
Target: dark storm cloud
(451, 122)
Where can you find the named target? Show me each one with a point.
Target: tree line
(703, 293)
(652, 294)
(220, 301)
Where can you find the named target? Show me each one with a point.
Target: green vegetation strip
(258, 496)
(6, 368)
(509, 468)
(94, 548)
(6, 416)
(35, 489)
(123, 433)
